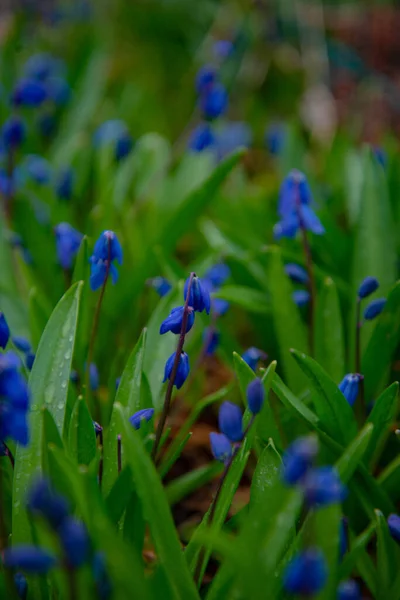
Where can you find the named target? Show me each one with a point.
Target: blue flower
(297, 273)
(231, 136)
(230, 421)
(174, 320)
(74, 541)
(223, 48)
(4, 331)
(214, 101)
(252, 356)
(29, 92)
(306, 574)
(367, 287)
(349, 387)
(14, 400)
(205, 78)
(38, 169)
(374, 308)
(142, 415)
(322, 486)
(255, 395)
(31, 559)
(8, 183)
(220, 447)
(68, 241)
(21, 586)
(43, 501)
(13, 132)
(348, 590)
(199, 297)
(182, 372)
(301, 297)
(99, 272)
(220, 306)
(41, 66)
(217, 275)
(298, 459)
(211, 338)
(394, 526)
(106, 249)
(64, 183)
(29, 360)
(275, 136)
(114, 132)
(21, 343)
(94, 378)
(161, 285)
(201, 138)
(101, 578)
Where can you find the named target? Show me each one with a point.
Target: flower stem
(168, 394)
(119, 453)
(72, 583)
(101, 462)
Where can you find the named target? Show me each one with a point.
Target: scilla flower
(161, 285)
(230, 421)
(322, 487)
(182, 372)
(255, 395)
(174, 320)
(106, 250)
(301, 297)
(298, 459)
(306, 573)
(29, 92)
(394, 526)
(4, 331)
(14, 400)
(297, 273)
(64, 182)
(205, 78)
(74, 541)
(30, 559)
(45, 502)
(367, 287)
(142, 415)
(220, 447)
(348, 590)
(13, 133)
(349, 387)
(68, 241)
(374, 308)
(199, 296)
(214, 101)
(252, 356)
(201, 138)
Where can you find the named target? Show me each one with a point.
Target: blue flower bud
(29, 92)
(255, 395)
(223, 48)
(367, 287)
(274, 138)
(43, 501)
(322, 486)
(294, 191)
(99, 273)
(123, 146)
(201, 138)
(97, 428)
(141, 415)
(29, 360)
(108, 247)
(211, 338)
(174, 320)
(4, 331)
(349, 387)
(220, 447)
(298, 459)
(13, 133)
(30, 559)
(101, 578)
(182, 372)
(214, 101)
(68, 241)
(199, 297)
(348, 590)
(306, 574)
(301, 297)
(230, 421)
(38, 169)
(296, 273)
(74, 541)
(217, 275)
(394, 526)
(94, 378)
(252, 356)
(205, 78)
(64, 183)
(21, 343)
(21, 586)
(161, 285)
(374, 308)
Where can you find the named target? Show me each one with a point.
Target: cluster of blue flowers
(230, 422)
(106, 250)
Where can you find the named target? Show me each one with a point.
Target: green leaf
(335, 413)
(382, 417)
(251, 300)
(186, 484)
(326, 524)
(266, 478)
(354, 453)
(156, 510)
(81, 434)
(289, 329)
(357, 549)
(389, 479)
(48, 383)
(329, 339)
(387, 557)
(120, 493)
(128, 393)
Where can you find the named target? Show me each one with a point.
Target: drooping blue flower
(199, 296)
(217, 275)
(29, 360)
(161, 285)
(114, 132)
(274, 138)
(221, 447)
(220, 306)
(31, 559)
(44, 501)
(64, 183)
(21, 343)
(4, 331)
(252, 356)
(301, 297)
(68, 241)
(174, 320)
(374, 308)
(348, 590)
(101, 578)
(394, 526)
(201, 138)
(94, 377)
(99, 272)
(13, 133)
(367, 287)
(8, 183)
(255, 395)
(41, 66)
(182, 372)
(141, 415)
(230, 421)
(74, 541)
(298, 459)
(38, 169)
(21, 585)
(223, 48)
(322, 487)
(297, 273)
(29, 93)
(349, 387)
(14, 400)
(106, 250)
(205, 78)
(306, 574)
(231, 136)
(211, 338)
(214, 101)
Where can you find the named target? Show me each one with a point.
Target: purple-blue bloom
(349, 387)
(211, 337)
(44, 501)
(4, 331)
(38, 169)
(68, 241)
(230, 421)
(182, 372)
(322, 487)
(374, 308)
(297, 273)
(217, 275)
(205, 78)
(29, 92)
(94, 378)
(298, 459)
(174, 320)
(367, 287)
(301, 297)
(223, 48)
(255, 395)
(141, 415)
(306, 574)
(14, 400)
(64, 183)
(348, 590)
(221, 447)
(13, 133)
(30, 559)
(41, 66)
(275, 138)
(214, 101)
(199, 297)
(161, 285)
(252, 356)
(201, 138)
(101, 578)
(220, 306)
(21, 586)
(106, 250)
(97, 428)
(74, 541)
(394, 526)
(231, 136)
(21, 343)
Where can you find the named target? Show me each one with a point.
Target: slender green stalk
(119, 453)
